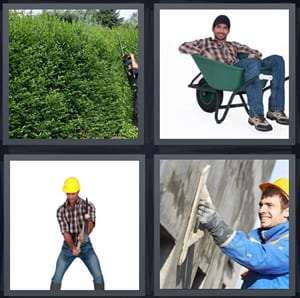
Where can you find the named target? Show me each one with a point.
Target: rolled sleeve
(245, 49)
(61, 218)
(192, 47)
(92, 212)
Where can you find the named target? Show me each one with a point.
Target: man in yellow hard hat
(266, 253)
(76, 218)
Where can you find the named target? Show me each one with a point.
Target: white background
(180, 115)
(35, 237)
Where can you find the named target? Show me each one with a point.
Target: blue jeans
(254, 91)
(87, 255)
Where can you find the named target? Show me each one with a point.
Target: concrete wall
(233, 187)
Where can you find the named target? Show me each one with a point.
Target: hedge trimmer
(132, 75)
(131, 72)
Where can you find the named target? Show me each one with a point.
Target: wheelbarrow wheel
(208, 100)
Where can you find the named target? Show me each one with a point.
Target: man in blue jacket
(266, 253)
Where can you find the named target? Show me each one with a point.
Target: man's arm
(262, 258)
(70, 242)
(207, 215)
(92, 218)
(266, 259)
(91, 226)
(64, 227)
(90, 221)
(133, 61)
(192, 47)
(252, 53)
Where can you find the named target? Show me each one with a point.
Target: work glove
(210, 220)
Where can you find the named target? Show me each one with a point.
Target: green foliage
(67, 15)
(66, 80)
(106, 17)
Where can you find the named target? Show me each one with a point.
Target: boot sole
(260, 128)
(278, 121)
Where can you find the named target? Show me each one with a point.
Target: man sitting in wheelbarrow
(219, 49)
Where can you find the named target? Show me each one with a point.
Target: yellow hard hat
(281, 184)
(71, 185)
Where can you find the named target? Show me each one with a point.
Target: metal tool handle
(120, 44)
(84, 229)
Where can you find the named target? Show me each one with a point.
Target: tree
(102, 17)
(66, 15)
(106, 18)
(132, 22)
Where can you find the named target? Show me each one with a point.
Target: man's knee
(255, 64)
(252, 66)
(279, 59)
(276, 59)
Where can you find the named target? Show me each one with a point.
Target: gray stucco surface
(234, 188)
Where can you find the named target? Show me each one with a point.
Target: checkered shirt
(72, 220)
(225, 52)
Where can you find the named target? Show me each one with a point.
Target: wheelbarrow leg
(220, 120)
(229, 105)
(234, 93)
(245, 105)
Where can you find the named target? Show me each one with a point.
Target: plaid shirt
(72, 220)
(225, 52)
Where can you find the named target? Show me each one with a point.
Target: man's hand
(205, 212)
(206, 208)
(80, 238)
(76, 251)
(133, 61)
(251, 56)
(208, 55)
(209, 218)
(71, 244)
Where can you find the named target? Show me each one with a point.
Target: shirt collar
(274, 232)
(218, 44)
(270, 234)
(78, 202)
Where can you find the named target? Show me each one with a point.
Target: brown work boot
(99, 286)
(55, 287)
(260, 123)
(279, 116)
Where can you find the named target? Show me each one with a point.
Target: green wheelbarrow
(216, 77)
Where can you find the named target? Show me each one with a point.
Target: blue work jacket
(265, 254)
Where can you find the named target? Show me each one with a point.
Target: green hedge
(68, 80)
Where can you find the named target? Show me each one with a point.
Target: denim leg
(63, 262)
(276, 64)
(254, 90)
(90, 259)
